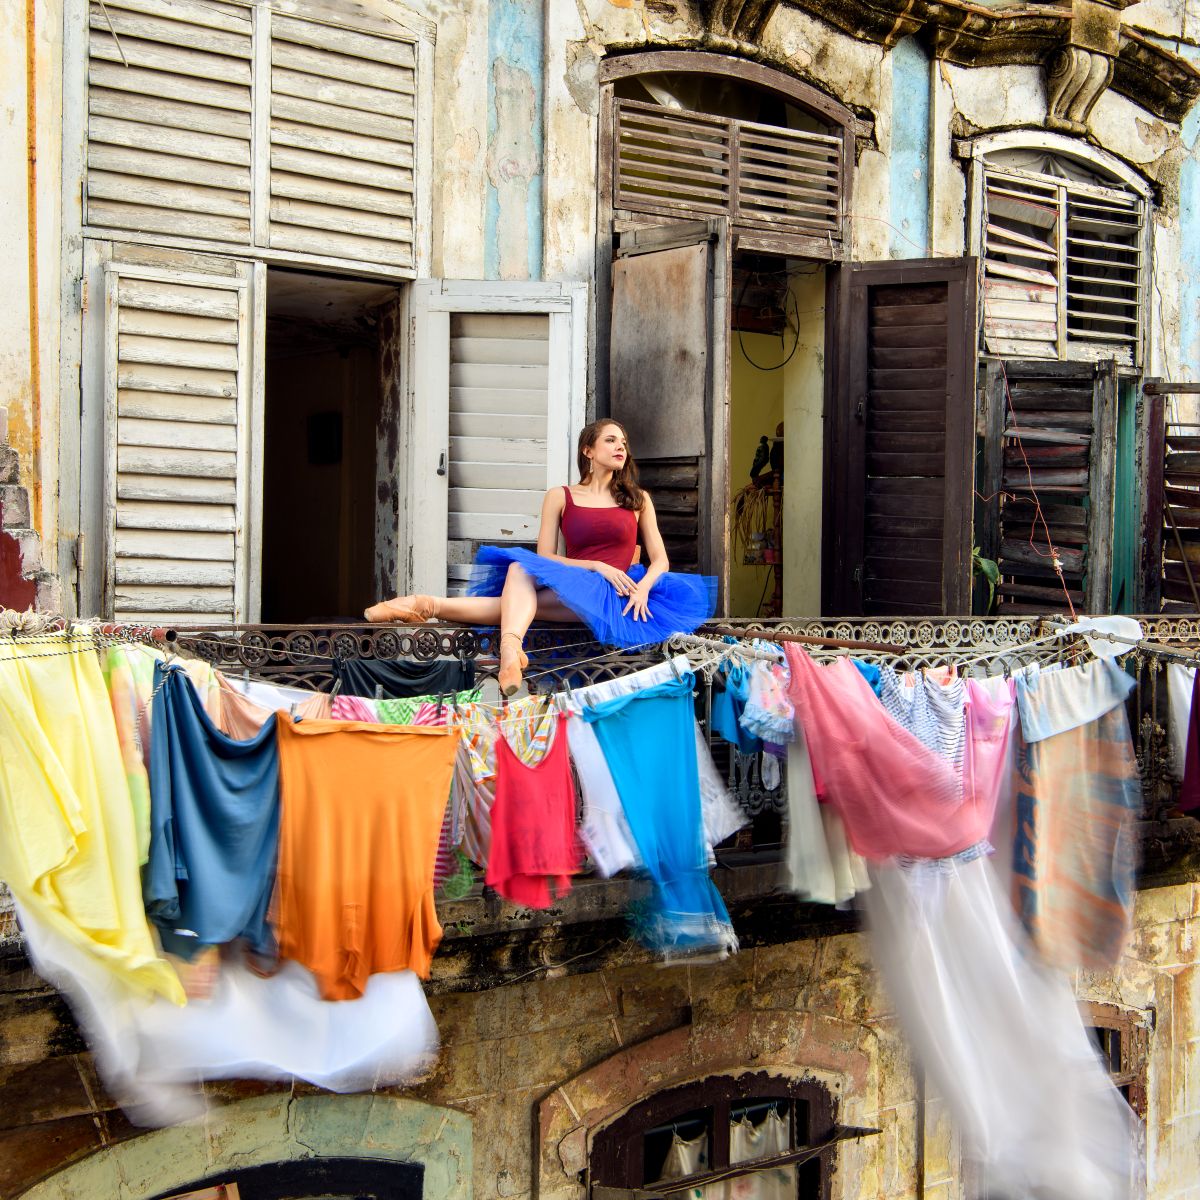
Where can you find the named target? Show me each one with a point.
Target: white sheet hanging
(1180, 681)
(999, 1035)
(150, 1053)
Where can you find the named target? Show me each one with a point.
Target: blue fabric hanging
(214, 824)
(649, 742)
(729, 704)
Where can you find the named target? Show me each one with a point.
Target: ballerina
(600, 580)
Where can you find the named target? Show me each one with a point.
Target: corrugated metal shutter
(761, 176)
(169, 118)
(342, 142)
(176, 402)
(499, 397)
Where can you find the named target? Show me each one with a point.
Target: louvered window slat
(341, 114)
(499, 400)
(176, 409)
(1079, 247)
(172, 98)
(169, 100)
(762, 176)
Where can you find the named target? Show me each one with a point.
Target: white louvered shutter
(169, 119)
(177, 445)
(499, 376)
(342, 139)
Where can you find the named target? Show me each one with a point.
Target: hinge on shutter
(79, 552)
(83, 294)
(860, 409)
(857, 575)
(441, 467)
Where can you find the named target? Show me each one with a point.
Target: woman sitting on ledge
(598, 581)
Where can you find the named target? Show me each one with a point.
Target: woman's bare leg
(483, 610)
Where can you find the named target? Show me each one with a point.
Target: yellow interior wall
(803, 409)
(756, 407)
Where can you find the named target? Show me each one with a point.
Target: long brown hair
(625, 487)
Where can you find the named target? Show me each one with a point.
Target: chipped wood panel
(175, 415)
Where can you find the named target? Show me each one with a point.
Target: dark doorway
(318, 1179)
(323, 411)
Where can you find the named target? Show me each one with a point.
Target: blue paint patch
(516, 35)
(1189, 248)
(909, 167)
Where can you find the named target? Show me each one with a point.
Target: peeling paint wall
(910, 150)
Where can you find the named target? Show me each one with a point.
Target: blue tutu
(678, 603)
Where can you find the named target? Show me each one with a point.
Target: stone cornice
(971, 35)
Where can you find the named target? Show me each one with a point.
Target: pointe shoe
(510, 676)
(408, 610)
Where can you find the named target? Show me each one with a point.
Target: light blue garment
(1053, 702)
(649, 742)
(214, 824)
(729, 703)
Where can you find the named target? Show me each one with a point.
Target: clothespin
(292, 712)
(379, 691)
(670, 659)
(337, 687)
(245, 679)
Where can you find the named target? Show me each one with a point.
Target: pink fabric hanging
(896, 797)
(991, 707)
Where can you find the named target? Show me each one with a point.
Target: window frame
(976, 152)
(616, 1158)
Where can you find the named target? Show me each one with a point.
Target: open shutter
(900, 454)
(668, 381)
(498, 385)
(1050, 464)
(343, 107)
(177, 444)
(169, 118)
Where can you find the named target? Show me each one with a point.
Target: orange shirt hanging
(362, 809)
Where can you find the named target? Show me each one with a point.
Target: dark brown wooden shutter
(1050, 445)
(900, 451)
(668, 381)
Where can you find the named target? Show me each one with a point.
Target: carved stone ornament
(736, 24)
(1075, 80)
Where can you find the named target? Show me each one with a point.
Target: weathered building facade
(307, 298)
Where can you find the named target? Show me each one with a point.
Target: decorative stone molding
(1075, 79)
(736, 24)
(1083, 44)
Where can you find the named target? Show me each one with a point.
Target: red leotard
(607, 535)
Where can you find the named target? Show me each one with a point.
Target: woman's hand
(624, 585)
(639, 599)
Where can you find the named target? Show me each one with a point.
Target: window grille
(1063, 268)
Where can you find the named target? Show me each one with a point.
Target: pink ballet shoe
(510, 676)
(408, 610)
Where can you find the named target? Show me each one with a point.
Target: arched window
(698, 135)
(1064, 257)
(774, 1135)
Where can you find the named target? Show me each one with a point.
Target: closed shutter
(498, 387)
(214, 121)
(177, 445)
(169, 118)
(901, 451)
(1050, 464)
(342, 142)
(498, 423)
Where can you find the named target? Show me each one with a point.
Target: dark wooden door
(900, 400)
(668, 382)
(1049, 469)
